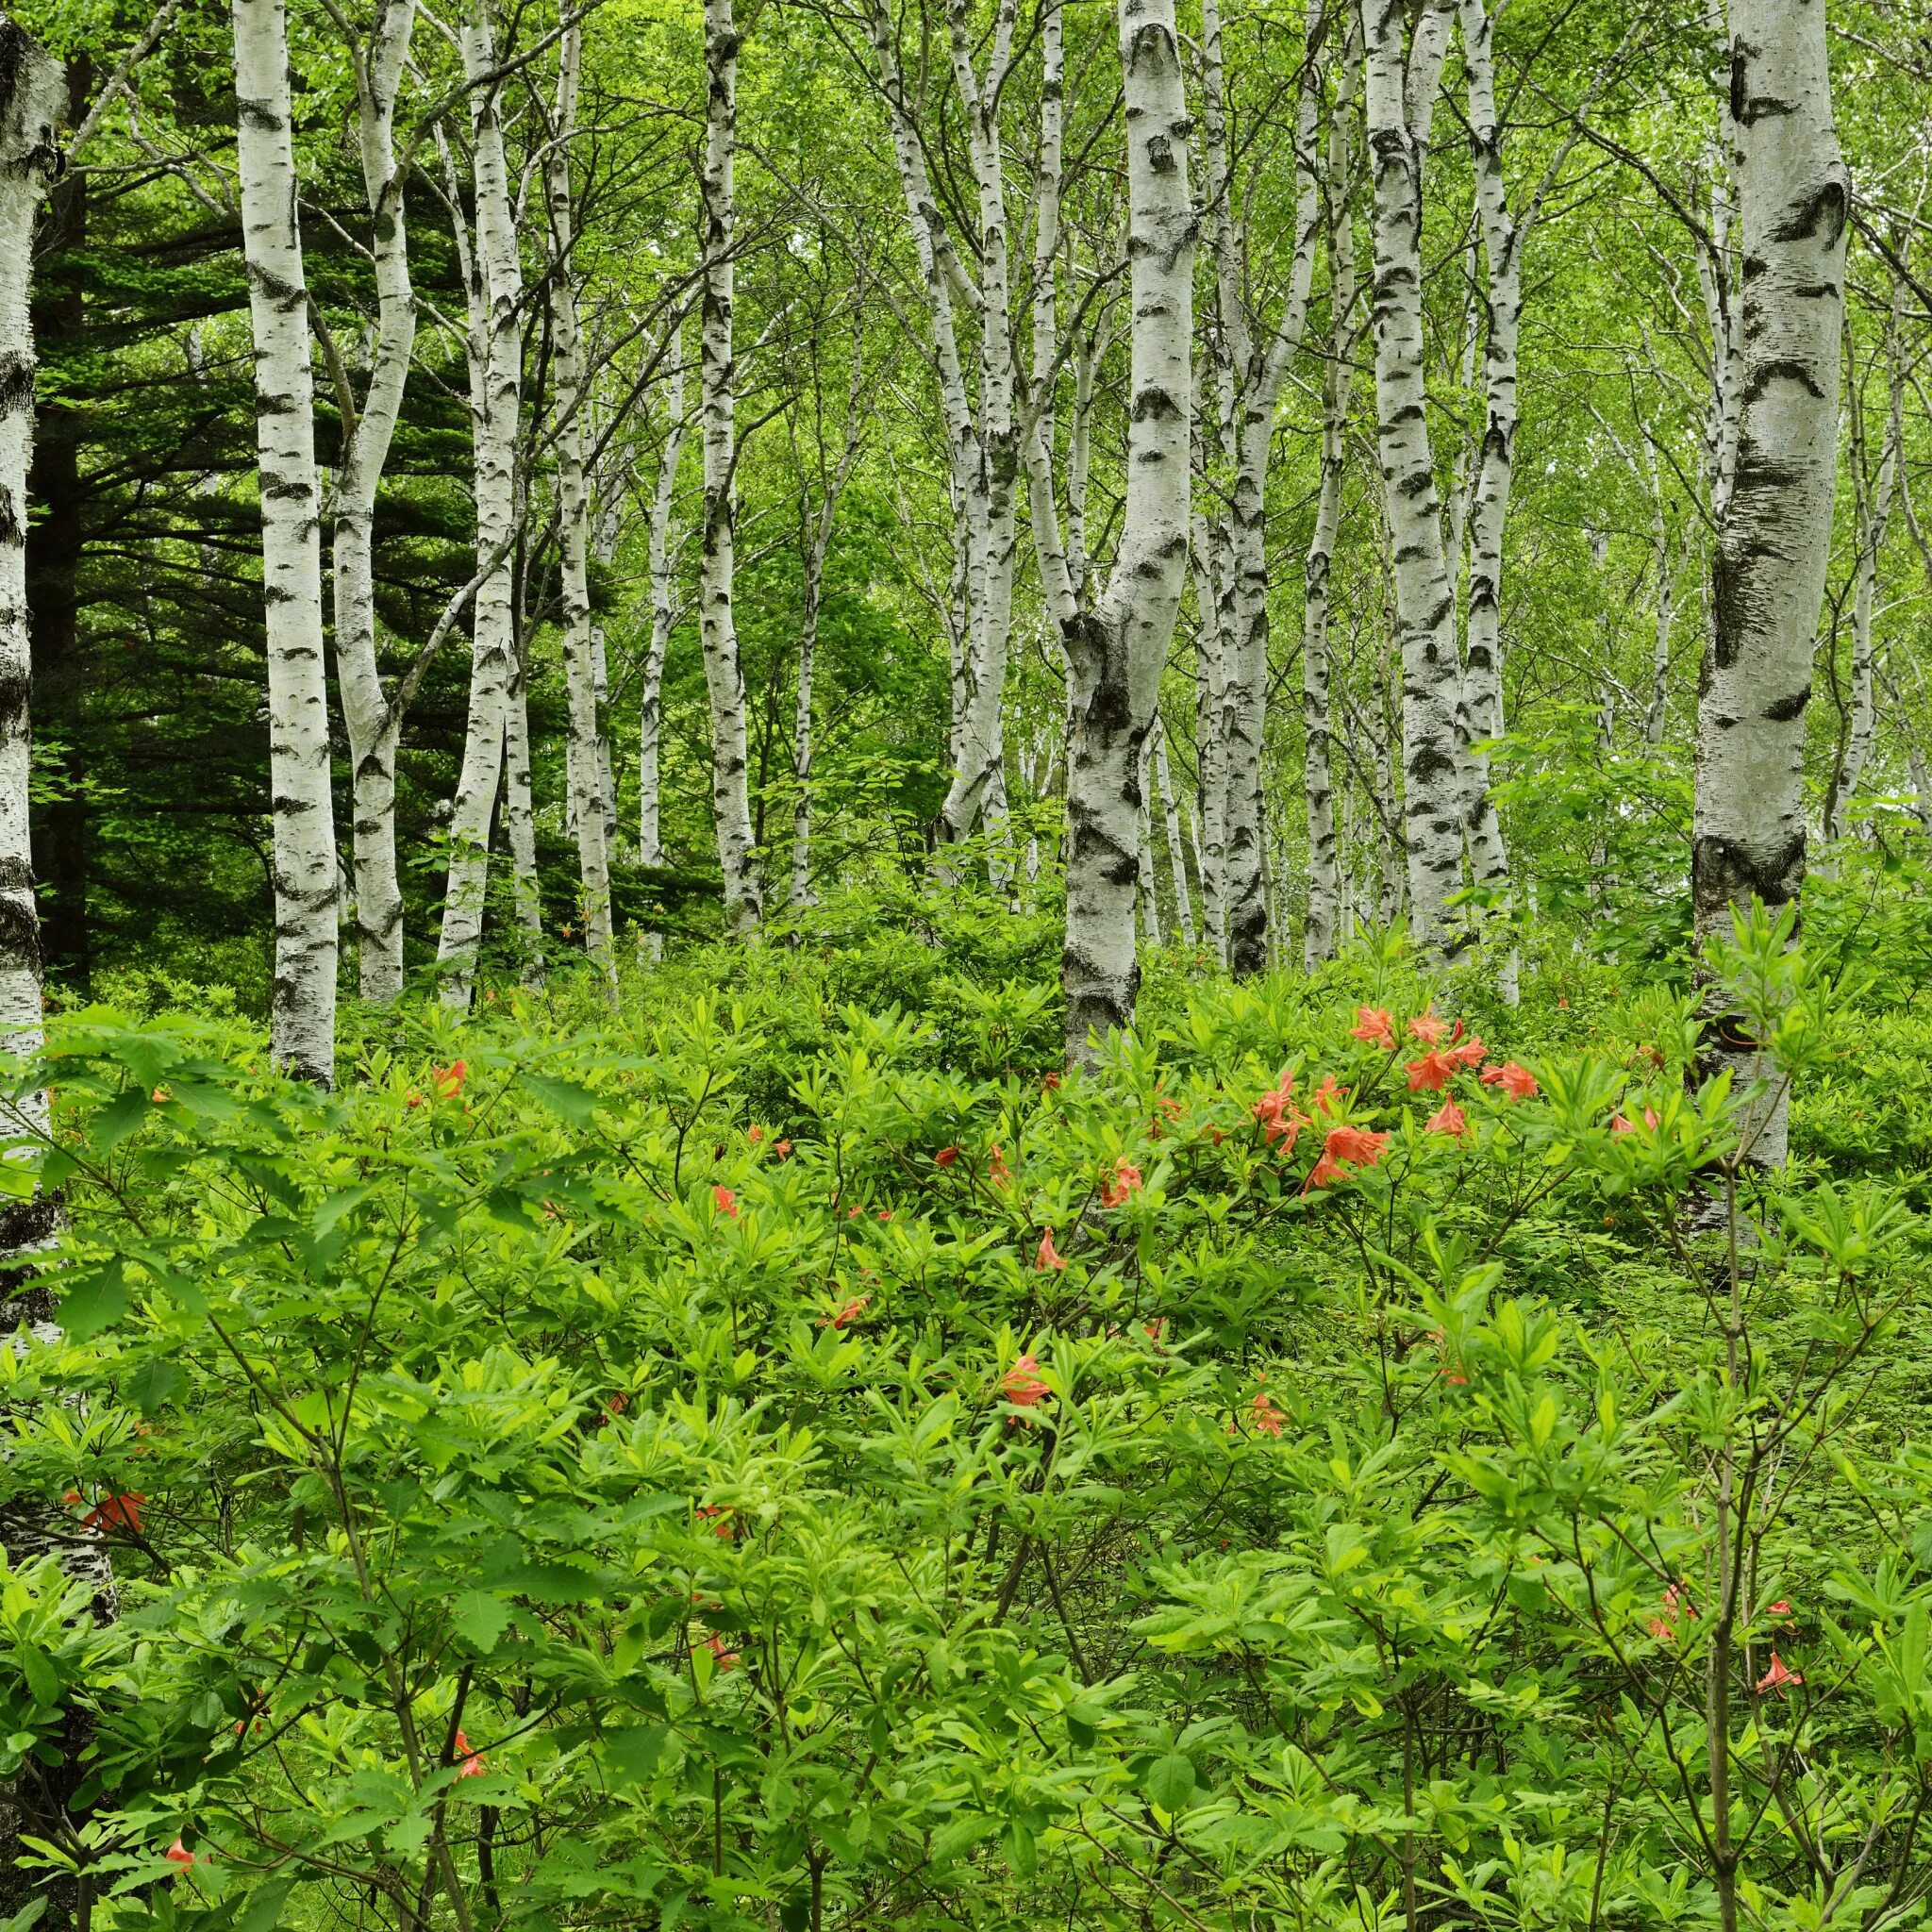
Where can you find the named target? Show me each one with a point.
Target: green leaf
(119, 1118)
(633, 1753)
(263, 1912)
(43, 1679)
(95, 1305)
(569, 1102)
(480, 1618)
(1171, 1781)
(155, 1382)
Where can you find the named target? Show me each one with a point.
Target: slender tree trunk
(1210, 800)
(303, 1021)
(1872, 500)
(1774, 539)
(587, 736)
(372, 727)
(493, 281)
(730, 798)
(1177, 860)
(1657, 712)
(1424, 598)
(651, 702)
(520, 820)
(1318, 934)
(1117, 649)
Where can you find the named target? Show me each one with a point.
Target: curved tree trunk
(1118, 649)
(1774, 539)
(303, 1021)
(724, 682)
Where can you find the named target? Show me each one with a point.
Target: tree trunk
(1657, 712)
(586, 738)
(1117, 649)
(520, 820)
(1210, 794)
(372, 729)
(730, 798)
(1176, 859)
(493, 279)
(303, 1021)
(1425, 599)
(1774, 536)
(651, 702)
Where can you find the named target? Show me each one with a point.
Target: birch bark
(582, 680)
(716, 626)
(1424, 598)
(32, 94)
(373, 725)
(651, 702)
(302, 1013)
(493, 279)
(1177, 860)
(1774, 538)
(1117, 649)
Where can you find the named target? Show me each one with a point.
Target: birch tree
(718, 630)
(1117, 644)
(32, 93)
(1774, 534)
(582, 680)
(303, 1007)
(1425, 597)
(492, 282)
(373, 723)
(659, 556)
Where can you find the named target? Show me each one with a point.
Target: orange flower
(884, 1214)
(727, 1658)
(1157, 1331)
(1778, 1676)
(754, 1135)
(844, 1316)
(1021, 1384)
(783, 1150)
(1268, 1419)
(1327, 1093)
(724, 1201)
(1355, 1146)
(1373, 1027)
(447, 1081)
(1780, 1608)
(1279, 1121)
(718, 1518)
(1049, 1260)
(1049, 1081)
(1432, 1072)
(1448, 1119)
(1466, 1053)
(997, 1171)
(1620, 1125)
(117, 1512)
(473, 1762)
(618, 1403)
(1519, 1083)
(1125, 1183)
(945, 1156)
(1427, 1027)
(178, 1853)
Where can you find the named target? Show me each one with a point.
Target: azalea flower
(1780, 1608)
(850, 1312)
(945, 1156)
(1327, 1093)
(997, 1171)
(1279, 1121)
(754, 1135)
(1519, 1083)
(473, 1762)
(448, 1081)
(117, 1512)
(719, 1518)
(1125, 1182)
(1448, 1119)
(1021, 1386)
(1620, 1125)
(727, 1658)
(1049, 1259)
(1432, 1072)
(178, 1853)
(1427, 1027)
(1346, 1147)
(1373, 1027)
(1465, 1052)
(1157, 1330)
(1778, 1676)
(618, 1403)
(884, 1214)
(783, 1150)
(1268, 1419)
(726, 1201)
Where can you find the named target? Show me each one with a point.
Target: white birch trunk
(1176, 859)
(302, 1019)
(1210, 802)
(1482, 669)
(588, 802)
(519, 821)
(1118, 649)
(1318, 934)
(493, 282)
(371, 723)
(1425, 599)
(716, 626)
(1872, 500)
(1773, 540)
(32, 93)
(651, 702)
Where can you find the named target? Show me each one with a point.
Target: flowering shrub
(1314, 1471)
